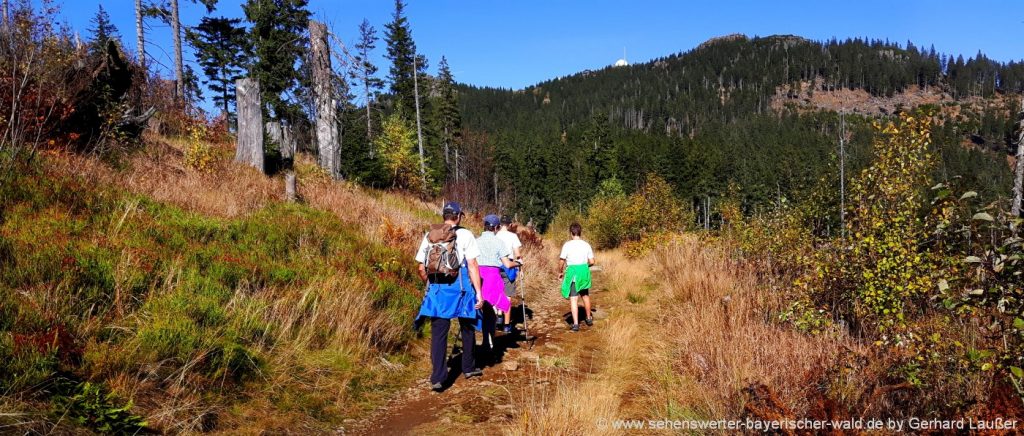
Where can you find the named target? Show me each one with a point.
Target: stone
(529, 355)
(511, 365)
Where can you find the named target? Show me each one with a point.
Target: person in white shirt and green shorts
(575, 261)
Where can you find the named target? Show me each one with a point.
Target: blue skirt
(449, 300)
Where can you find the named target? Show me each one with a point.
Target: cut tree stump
(323, 88)
(250, 123)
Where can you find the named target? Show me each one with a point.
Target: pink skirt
(494, 288)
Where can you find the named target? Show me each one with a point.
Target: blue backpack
(511, 273)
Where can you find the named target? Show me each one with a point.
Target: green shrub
(87, 404)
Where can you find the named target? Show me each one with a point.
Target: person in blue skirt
(450, 295)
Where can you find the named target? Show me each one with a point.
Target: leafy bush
(911, 276)
(640, 220)
(606, 215)
(396, 146)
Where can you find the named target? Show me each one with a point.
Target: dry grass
(602, 370)
(686, 334)
(719, 341)
(230, 190)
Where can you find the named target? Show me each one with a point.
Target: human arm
(508, 262)
(421, 257)
(474, 278)
(561, 268)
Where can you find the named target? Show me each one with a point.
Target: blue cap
(492, 220)
(451, 207)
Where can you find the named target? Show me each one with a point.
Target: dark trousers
(439, 346)
(489, 321)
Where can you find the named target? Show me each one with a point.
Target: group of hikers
(474, 279)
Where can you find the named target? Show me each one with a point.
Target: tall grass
(686, 332)
(722, 338)
(202, 296)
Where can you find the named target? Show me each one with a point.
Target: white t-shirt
(510, 239)
(465, 247)
(576, 252)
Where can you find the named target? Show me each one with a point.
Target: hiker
(494, 255)
(448, 263)
(509, 275)
(574, 262)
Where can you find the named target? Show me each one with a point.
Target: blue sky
(514, 44)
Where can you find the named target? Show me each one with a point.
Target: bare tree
(842, 172)
(1018, 181)
(419, 124)
(179, 74)
(140, 40)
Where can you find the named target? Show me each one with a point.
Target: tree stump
(289, 186)
(250, 123)
(326, 120)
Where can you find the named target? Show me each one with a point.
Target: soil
(485, 404)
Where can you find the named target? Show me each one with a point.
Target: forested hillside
(705, 120)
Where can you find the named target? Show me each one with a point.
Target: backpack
(511, 273)
(441, 257)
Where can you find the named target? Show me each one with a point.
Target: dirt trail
(525, 372)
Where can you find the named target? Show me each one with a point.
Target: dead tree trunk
(281, 135)
(326, 120)
(7, 17)
(250, 123)
(140, 39)
(289, 186)
(419, 128)
(1018, 181)
(179, 74)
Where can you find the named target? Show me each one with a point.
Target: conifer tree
(364, 72)
(218, 41)
(447, 117)
(603, 157)
(102, 31)
(277, 42)
(403, 57)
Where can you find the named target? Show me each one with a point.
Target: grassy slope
(200, 296)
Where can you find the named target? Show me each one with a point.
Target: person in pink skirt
(493, 254)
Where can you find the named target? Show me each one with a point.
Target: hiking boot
(473, 373)
(437, 387)
(589, 321)
(575, 327)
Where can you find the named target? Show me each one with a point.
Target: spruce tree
(447, 118)
(277, 41)
(102, 31)
(602, 153)
(364, 72)
(402, 54)
(217, 41)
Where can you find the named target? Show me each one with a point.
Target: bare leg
(586, 304)
(574, 308)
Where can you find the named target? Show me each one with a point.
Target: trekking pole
(526, 329)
